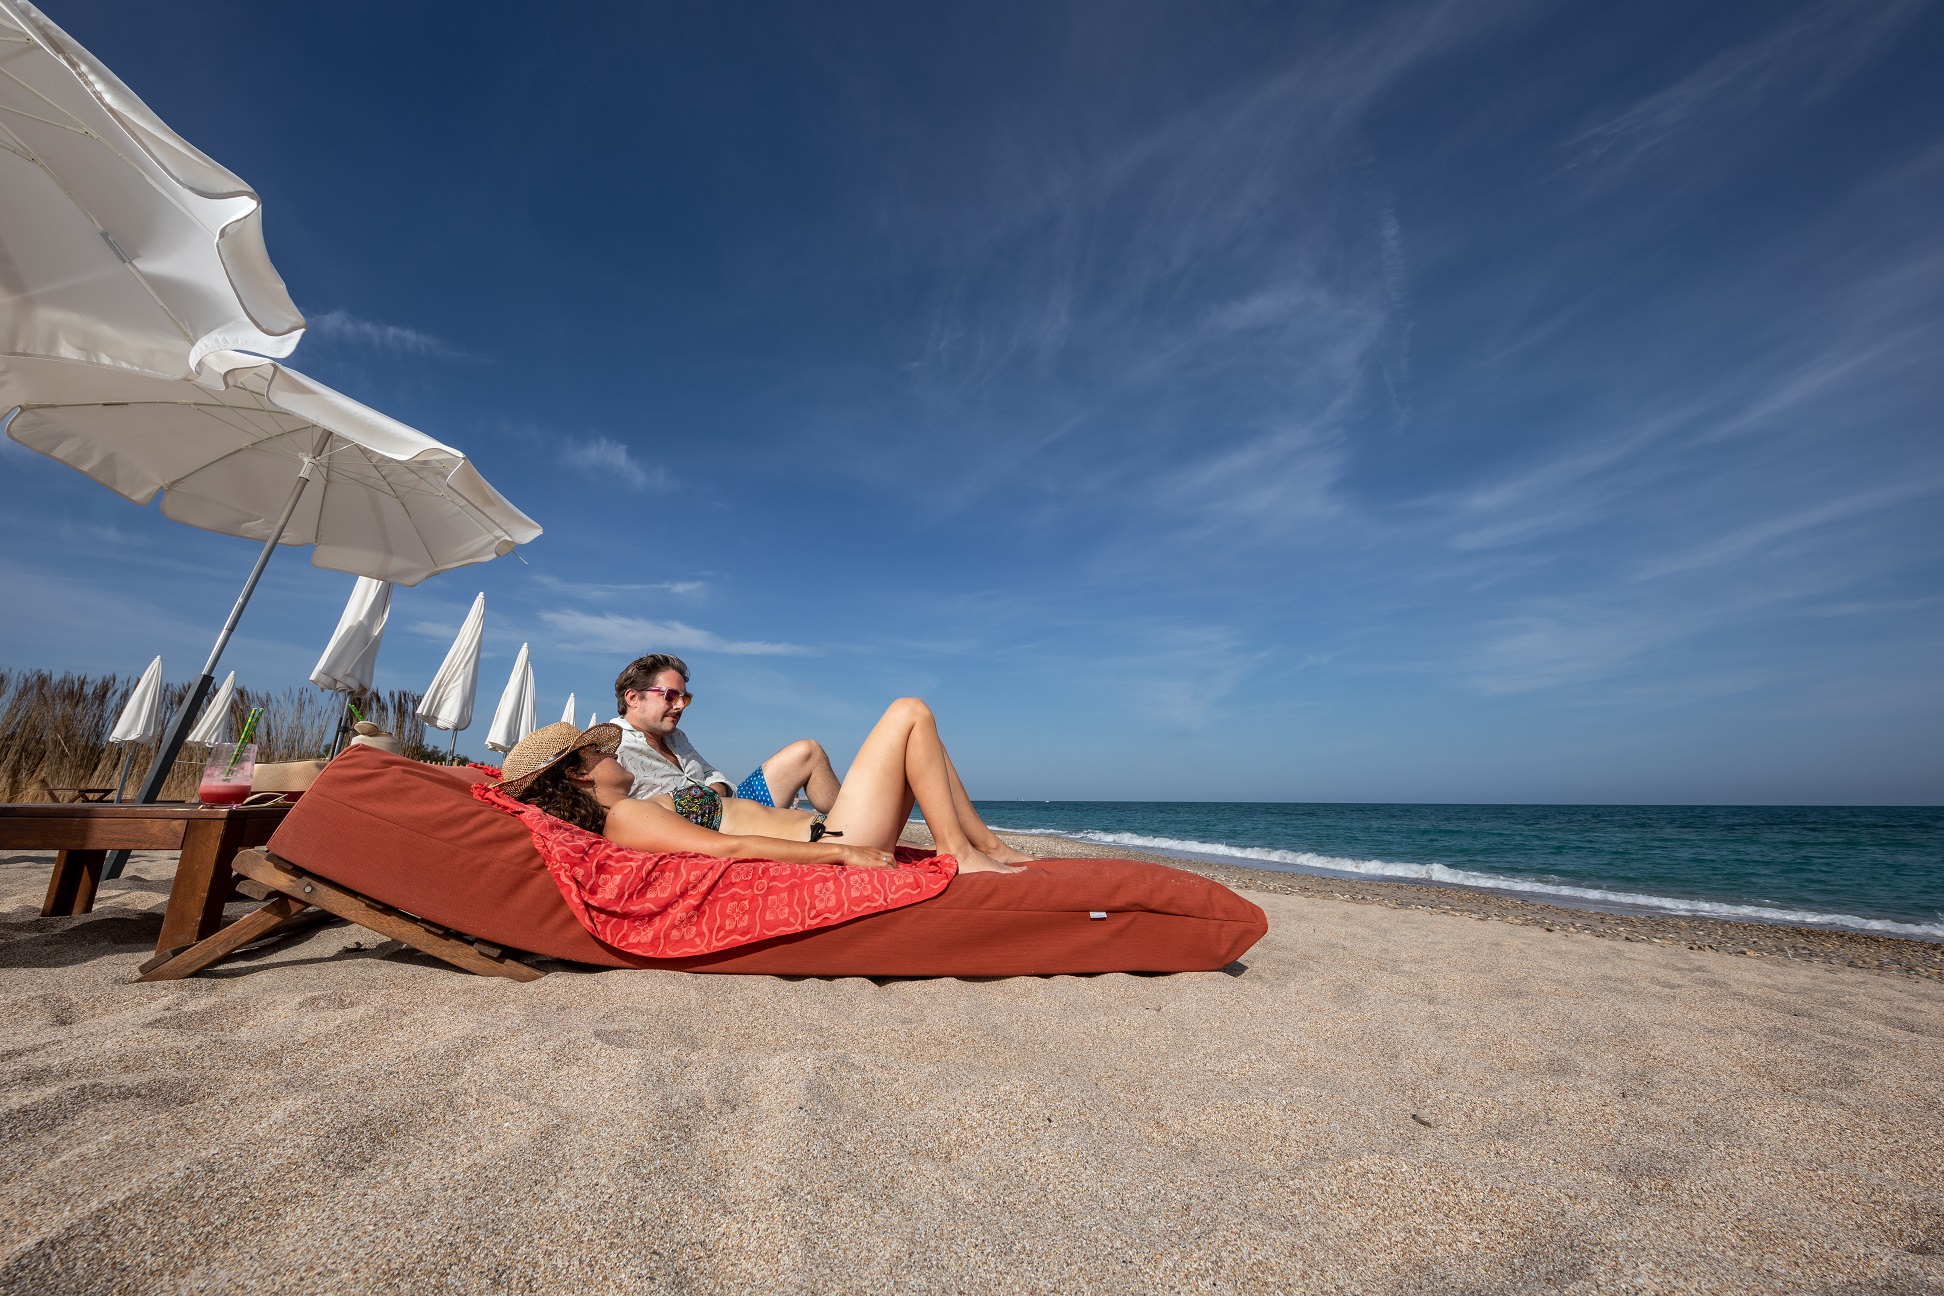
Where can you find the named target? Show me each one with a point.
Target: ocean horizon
(1876, 869)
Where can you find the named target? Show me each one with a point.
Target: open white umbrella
(568, 714)
(122, 243)
(448, 700)
(233, 452)
(140, 720)
(513, 718)
(216, 716)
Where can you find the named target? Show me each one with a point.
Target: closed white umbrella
(233, 452)
(216, 716)
(140, 720)
(592, 719)
(448, 699)
(123, 244)
(568, 714)
(350, 660)
(513, 718)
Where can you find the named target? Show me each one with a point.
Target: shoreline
(1865, 951)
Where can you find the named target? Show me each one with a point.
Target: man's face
(658, 709)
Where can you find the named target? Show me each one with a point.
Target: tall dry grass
(54, 731)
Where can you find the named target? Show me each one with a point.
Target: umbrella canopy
(224, 452)
(567, 715)
(214, 724)
(123, 243)
(351, 658)
(448, 700)
(141, 719)
(513, 719)
(592, 719)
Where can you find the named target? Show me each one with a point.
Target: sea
(1872, 869)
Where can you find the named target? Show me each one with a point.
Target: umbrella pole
(128, 756)
(185, 719)
(344, 725)
(453, 745)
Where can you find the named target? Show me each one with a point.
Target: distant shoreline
(1834, 946)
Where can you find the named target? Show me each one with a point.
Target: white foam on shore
(1310, 862)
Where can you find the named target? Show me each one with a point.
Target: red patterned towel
(668, 906)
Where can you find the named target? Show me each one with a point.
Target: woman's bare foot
(972, 860)
(1007, 855)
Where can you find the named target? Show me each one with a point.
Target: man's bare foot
(971, 860)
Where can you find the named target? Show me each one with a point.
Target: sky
(1226, 400)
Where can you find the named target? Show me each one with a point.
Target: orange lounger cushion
(411, 836)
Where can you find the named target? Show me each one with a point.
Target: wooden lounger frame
(292, 892)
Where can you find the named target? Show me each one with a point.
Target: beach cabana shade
(141, 718)
(214, 724)
(513, 718)
(233, 451)
(350, 660)
(122, 243)
(567, 715)
(448, 699)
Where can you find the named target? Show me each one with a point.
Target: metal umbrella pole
(185, 719)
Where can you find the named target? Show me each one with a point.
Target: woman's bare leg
(975, 828)
(901, 760)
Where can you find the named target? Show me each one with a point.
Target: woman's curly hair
(562, 798)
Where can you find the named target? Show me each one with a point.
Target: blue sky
(1226, 400)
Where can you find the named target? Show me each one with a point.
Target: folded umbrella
(448, 700)
(568, 714)
(514, 719)
(216, 716)
(140, 720)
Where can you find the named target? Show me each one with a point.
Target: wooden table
(207, 836)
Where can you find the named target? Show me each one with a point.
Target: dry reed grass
(54, 730)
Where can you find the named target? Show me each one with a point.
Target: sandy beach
(1392, 1097)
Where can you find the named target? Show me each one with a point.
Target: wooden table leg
(202, 882)
(72, 888)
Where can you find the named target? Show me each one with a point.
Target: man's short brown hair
(640, 674)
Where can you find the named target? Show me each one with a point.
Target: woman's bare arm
(644, 825)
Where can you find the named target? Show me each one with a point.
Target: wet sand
(1392, 1097)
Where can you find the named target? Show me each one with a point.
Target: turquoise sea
(1863, 868)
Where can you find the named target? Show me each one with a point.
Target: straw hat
(547, 746)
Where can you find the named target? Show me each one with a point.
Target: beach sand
(1388, 1099)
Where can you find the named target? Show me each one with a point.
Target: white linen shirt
(653, 775)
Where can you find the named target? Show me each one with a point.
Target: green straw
(355, 713)
(249, 732)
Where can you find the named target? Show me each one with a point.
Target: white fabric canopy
(513, 718)
(351, 658)
(448, 700)
(593, 719)
(568, 714)
(120, 242)
(385, 501)
(141, 719)
(214, 725)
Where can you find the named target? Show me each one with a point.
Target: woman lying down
(573, 775)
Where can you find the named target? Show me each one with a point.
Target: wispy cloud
(608, 459)
(1810, 56)
(618, 589)
(609, 632)
(344, 327)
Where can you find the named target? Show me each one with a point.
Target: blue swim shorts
(755, 788)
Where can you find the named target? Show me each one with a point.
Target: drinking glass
(226, 778)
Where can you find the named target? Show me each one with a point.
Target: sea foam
(1310, 862)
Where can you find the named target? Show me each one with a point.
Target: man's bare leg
(801, 767)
